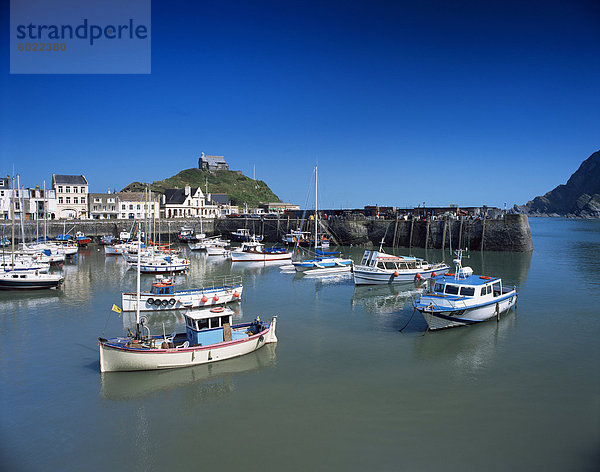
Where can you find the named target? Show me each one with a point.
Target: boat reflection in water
(384, 298)
(207, 380)
(466, 351)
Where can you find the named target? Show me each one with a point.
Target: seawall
(510, 233)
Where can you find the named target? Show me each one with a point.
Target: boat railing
(225, 281)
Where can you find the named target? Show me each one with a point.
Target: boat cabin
(381, 260)
(163, 287)
(205, 327)
(472, 286)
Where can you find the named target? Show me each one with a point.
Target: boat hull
(259, 257)
(113, 358)
(366, 275)
(440, 318)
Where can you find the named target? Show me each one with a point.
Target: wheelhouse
(205, 327)
(477, 287)
(383, 261)
(163, 288)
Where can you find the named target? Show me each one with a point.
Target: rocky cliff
(579, 197)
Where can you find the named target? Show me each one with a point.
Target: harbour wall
(508, 233)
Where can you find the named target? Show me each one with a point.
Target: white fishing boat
(163, 296)
(461, 298)
(324, 262)
(209, 337)
(253, 251)
(377, 267)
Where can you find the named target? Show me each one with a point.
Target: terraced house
(71, 196)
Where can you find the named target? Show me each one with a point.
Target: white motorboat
(253, 251)
(29, 280)
(461, 298)
(377, 267)
(163, 295)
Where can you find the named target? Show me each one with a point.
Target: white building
(71, 195)
(135, 205)
(185, 202)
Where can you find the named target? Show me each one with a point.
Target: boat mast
(316, 211)
(13, 222)
(45, 214)
(137, 305)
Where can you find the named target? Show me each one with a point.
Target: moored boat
(163, 295)
(462, 298)
(243, 235)
(29, 280)
(377, 267)
(253, 251)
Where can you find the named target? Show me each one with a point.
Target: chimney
(188, 190)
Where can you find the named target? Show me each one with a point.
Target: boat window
(214, 322)
(497, 289)
(203, 324)
(439, 288)
(225, 319)
(483, 291)
(489, 289)
(467, 291)
(452, 289)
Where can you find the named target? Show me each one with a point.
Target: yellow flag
(116, 309)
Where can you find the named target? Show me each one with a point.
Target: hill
(580, 196)
(237, 186)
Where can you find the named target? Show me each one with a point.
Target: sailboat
(12, 279)
(209, 337)
(325, 262)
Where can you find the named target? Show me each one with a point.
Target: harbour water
(344, 389)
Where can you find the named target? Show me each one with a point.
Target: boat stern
(271, 337)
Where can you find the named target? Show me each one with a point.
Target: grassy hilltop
(238, 187)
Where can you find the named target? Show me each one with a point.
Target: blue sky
(399, 102)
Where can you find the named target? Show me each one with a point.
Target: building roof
(176, 196)
(69, 179)
(220, 198)
(214, 160)
(133, 196)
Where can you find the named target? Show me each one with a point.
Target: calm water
(344, 389)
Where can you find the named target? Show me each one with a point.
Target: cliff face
(580, 196)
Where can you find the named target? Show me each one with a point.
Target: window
(82, 199)
(60, 200)
(203, 324)
(95, 208)
(225, 319)
(75, 200)
(439, 288)
(82, 189)
(74, 189)
(68, 189)
(467, 291)
(97, 200)
(138, 207)
(496, 288)
(60, 189)
(483, 291)
(68, 200)
(214, 322)
(110, 200)
(131, 207)
(452, 289)
(123, 207)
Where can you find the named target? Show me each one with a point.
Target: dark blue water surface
(343, 389)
